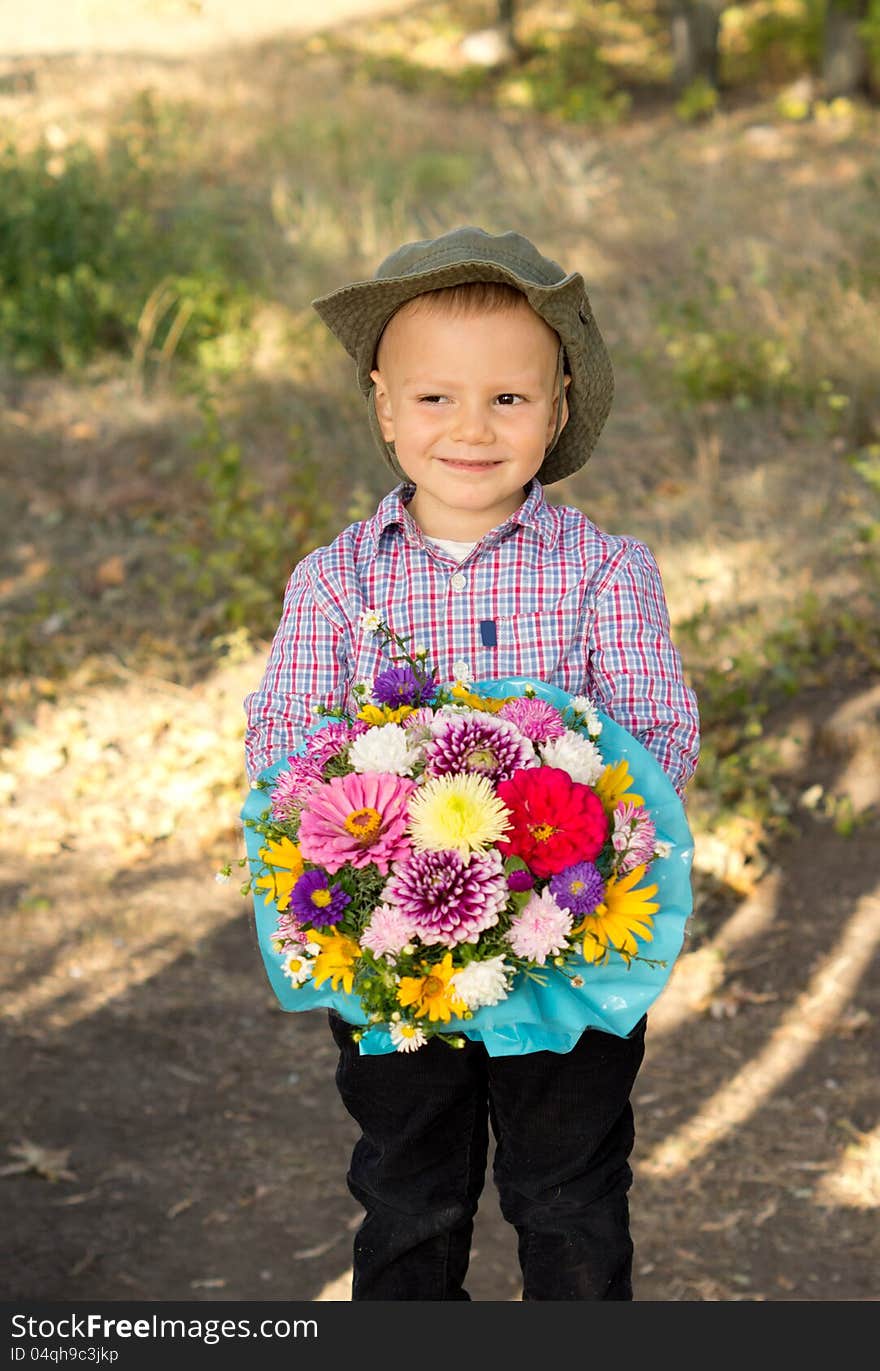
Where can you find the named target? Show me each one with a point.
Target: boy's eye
(508, 398)
(431, 399)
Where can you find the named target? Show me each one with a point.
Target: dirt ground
(167, 1133)
(190, 1143)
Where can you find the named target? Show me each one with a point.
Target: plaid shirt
(581, 609)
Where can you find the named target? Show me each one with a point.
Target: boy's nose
(472, 425)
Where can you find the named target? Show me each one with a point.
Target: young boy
(486, 378)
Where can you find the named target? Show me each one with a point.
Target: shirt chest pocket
(543, 643)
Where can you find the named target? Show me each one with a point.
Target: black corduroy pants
(563, 1128)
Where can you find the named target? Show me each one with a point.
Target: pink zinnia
(388, 931)
(357, 819)
(535, 718)
(448, 898)
(292, 787)
(634, 835)
(540, 929)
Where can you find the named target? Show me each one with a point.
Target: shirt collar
(534, 513)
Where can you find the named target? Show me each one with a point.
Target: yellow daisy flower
(431, 994)
(459, 812)
(623, 915)
(384, 714)
(336, 960)
(286, 865)
(485, 702)
(614, 783)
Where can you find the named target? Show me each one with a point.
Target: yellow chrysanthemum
(457, 812)
(485, 702)
(431, 994)
(624, 914)
(286, 866)
(336, 960)
(384, 714)
(614, 783)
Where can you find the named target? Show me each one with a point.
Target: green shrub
(86, 238)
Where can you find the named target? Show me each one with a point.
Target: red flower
(555, 821)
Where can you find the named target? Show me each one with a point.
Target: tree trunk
(694, 29)
(845, 68)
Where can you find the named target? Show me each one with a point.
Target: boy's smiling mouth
(461, 463)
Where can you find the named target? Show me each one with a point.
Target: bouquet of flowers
(479, 859)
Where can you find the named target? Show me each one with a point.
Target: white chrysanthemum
(575, 754)
(481, 983)
(585, 707)
(662, 848)
(462, 673)
(387, 748)
(407, 1037)
(370, 620)
(297, 965)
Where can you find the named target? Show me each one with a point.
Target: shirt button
(457, 580)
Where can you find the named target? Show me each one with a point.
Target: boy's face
(469, 401)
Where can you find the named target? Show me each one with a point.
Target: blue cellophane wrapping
(534, 1017)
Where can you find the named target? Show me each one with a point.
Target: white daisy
(662, 848)
(481, 983)
(407, 1037)
(585, 707)
(462, 673)
(575, 754)
(296, 965)
(387, 748)
(370, 620)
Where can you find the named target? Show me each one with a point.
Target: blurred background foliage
(179, 429)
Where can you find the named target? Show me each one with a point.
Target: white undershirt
(451, 545)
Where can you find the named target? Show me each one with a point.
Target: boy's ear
(552, 426)
(382, 401)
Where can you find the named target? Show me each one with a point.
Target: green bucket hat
(358, 313)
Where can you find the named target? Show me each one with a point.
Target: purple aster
(315, 901)
(578, 888)
(399, 685)
(292, 787)
(448, 898)
(520, 879)
(489, 746)
(535, 718)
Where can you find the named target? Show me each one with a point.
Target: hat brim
(357, 314)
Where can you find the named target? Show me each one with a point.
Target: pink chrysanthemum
(293, 786)
(420, 721)
(332, 738)
(358, 819)
(535, 718)
(290, 928)
(633, 836)
(448, 898)
(492, 747)
(388, 931)
(540, 929)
